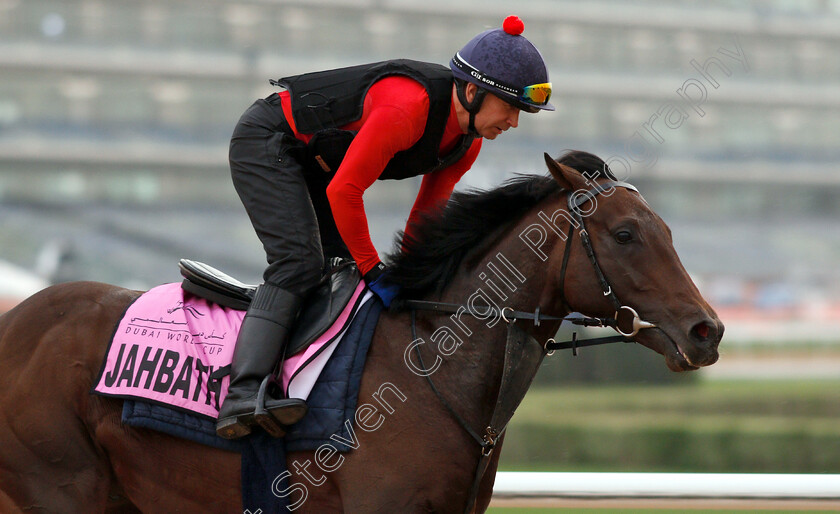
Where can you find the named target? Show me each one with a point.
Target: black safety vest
(325, 100)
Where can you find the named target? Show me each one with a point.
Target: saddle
(320, 309)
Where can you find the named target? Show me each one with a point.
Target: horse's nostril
(701, 330)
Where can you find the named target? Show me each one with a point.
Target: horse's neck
(513, 273)
(510, 275)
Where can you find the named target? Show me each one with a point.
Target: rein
(509, 315)
(523, 354)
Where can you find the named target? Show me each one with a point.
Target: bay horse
(63, 449)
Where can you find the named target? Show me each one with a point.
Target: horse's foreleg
(160, 473)
(42, 470)
(48, 461)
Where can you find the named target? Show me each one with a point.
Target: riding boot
(261, 342)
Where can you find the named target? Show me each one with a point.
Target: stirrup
(273, 418)
(262, 416)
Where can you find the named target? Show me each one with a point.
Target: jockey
(301, 160)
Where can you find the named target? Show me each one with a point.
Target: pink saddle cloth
(169, 343)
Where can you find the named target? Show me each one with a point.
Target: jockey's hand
(377, 281)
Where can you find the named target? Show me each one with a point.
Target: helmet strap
(471, 107)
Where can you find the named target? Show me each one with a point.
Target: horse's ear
(567, 177)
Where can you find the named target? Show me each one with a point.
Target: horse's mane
(425, 261)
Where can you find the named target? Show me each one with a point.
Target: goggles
(537, 94)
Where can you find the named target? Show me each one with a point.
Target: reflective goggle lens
(538, 94)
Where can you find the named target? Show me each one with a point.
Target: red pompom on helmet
(513, 25)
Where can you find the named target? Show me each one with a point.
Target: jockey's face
(495, 115)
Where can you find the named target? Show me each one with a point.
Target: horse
(517, 247)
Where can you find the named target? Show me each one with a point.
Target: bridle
(523, 353)
(626, 320)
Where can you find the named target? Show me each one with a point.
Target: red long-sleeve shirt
(393, 119)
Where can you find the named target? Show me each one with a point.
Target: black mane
(426, 262)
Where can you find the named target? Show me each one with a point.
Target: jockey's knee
(298, 278)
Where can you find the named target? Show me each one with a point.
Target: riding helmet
(504, 63)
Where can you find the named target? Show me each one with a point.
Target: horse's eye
(623, 237)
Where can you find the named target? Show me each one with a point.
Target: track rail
(667, 490)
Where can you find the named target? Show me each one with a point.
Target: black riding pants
(286, 202)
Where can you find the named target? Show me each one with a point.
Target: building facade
(725, 114)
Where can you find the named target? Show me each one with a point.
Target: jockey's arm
(394, 120)
(437, 187)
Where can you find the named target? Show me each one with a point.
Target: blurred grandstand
(115, 118)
